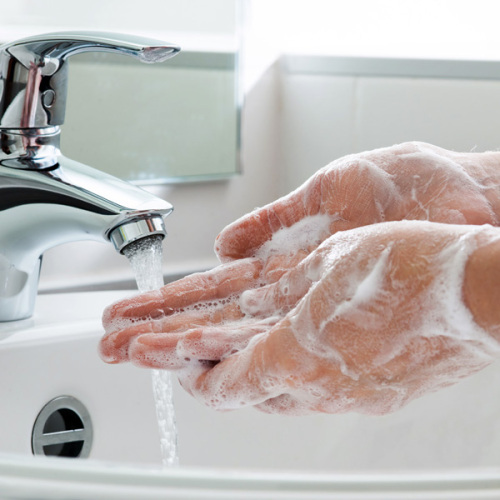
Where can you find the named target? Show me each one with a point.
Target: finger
(243, 237)
(272, 364)
(277, 265)
(173, 351)
(285, 404)
(275, 374)
(214, 285)
(114, 346)
(282, 296)
(242, 379)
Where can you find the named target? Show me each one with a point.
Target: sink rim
(62, 316)
(39, 476)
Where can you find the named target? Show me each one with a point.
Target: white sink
(224, 455)
(55, 354)
(30, 479)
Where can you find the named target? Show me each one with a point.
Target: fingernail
(157, 314)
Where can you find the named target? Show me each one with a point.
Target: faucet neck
(30, 149)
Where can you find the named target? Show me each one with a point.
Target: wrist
(481, 287)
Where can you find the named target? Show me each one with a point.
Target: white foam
(231, 389)
(456, 318)
(308, 232)
(366, 289)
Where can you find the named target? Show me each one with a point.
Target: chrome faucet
(47, 199)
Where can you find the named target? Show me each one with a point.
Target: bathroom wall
(214, 19)
(336, 106)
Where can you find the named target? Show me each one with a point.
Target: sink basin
(54, 354)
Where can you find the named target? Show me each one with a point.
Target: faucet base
(17, 290)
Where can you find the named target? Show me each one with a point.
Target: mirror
(171, 122)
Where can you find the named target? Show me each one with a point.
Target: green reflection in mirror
(169, 122)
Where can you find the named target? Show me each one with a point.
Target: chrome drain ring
(63, 428)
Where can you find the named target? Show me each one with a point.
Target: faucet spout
(55, 201)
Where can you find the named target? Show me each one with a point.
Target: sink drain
(63, 429)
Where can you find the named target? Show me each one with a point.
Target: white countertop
(61, 315)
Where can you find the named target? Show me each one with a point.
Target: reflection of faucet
(45, 198)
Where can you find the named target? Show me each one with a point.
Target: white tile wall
(317, 123)
(455, 114)
(324, 117)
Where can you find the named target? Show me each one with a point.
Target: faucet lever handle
(59, 46)
(33, 73)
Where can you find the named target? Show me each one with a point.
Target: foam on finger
(176, 350)
(238, 381)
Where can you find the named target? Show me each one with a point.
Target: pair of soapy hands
(338, 297)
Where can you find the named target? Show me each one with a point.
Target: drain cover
(63, 429)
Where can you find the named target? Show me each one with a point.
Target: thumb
(245, 236)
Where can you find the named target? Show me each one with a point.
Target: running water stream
(145, 257)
